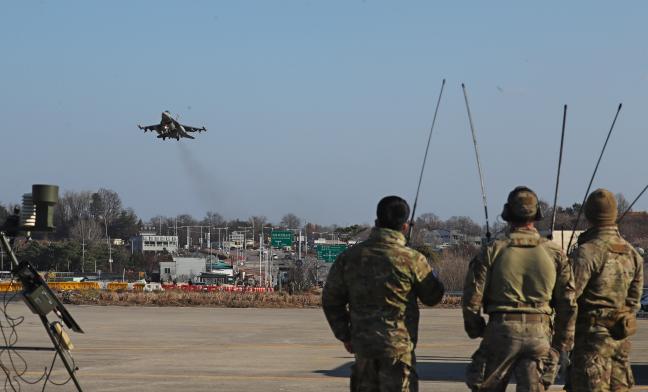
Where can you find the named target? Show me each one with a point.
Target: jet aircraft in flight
(171, 128)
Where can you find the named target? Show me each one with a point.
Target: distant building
(324, 241)
(237, 238)
(182, 269)
(148, 241)
(444, 238)
(562, 237)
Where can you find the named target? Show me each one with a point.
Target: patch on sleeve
(618, 247)
(524, 242)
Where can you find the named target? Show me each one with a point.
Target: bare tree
(622, 203)
(106, 205)
(72, 207)
(463, 224)
(86, 230)
(428, 221)
(290, 221)
(214, 219)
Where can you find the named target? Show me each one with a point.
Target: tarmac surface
(207, 349)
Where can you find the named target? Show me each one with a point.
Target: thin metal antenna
(427, 148)
(580, 210)
(560, 156)
(479, 168)
(632, 204)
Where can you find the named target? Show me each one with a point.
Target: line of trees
(86, 220)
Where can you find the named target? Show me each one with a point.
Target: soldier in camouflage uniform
(370, 302)
(609, 280)
(519, 280)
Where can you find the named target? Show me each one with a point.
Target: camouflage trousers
(514, 346)
(599, 363)
(388, 374)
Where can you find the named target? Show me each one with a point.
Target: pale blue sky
(320, 108)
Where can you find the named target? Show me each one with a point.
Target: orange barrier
(117, 286)
(74, 286)
(58, 286)
(10, 287)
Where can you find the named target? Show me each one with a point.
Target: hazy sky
(320, 108)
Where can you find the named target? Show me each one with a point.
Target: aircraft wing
(181, 133)
(155, 127)
(194, 129)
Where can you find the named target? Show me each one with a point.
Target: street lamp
(110, 260)
(269, 253)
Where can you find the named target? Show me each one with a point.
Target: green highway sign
(281, 238)
(329, 253)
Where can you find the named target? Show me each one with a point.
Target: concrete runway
(203, 349)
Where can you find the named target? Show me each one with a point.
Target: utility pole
(82, 245)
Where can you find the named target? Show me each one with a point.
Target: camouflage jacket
(608, 271)
(523, 273)
(370, 296)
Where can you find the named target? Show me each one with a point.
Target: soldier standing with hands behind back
(370, 302)
(519, 281)
(609, 279)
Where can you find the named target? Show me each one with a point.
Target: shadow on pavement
(453, 369)
(427, 371)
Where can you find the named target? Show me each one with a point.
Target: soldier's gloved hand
(474, 324)
(551, 366)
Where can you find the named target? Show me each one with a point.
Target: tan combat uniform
(370, 299)
(609, 279)
(519, 281)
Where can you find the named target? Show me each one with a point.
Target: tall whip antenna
(427, 148)
(560, 156)
(580, 210)
(481, 174)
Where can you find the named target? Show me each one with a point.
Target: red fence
(212, 288)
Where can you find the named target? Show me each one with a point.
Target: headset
(506, 213)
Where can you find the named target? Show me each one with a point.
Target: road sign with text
(329, 253)
(281, 238)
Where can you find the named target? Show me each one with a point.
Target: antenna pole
(479, 168)
(427, 148)
(560, 156)
(580, 210)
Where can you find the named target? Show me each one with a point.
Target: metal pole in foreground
(479, 169)
(427, 148)
(560, 155)
(580, 210)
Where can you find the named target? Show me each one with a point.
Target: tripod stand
(41, 300)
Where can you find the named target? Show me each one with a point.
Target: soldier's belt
(522, 317)
(535, 305)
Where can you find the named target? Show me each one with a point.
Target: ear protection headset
(506, 212)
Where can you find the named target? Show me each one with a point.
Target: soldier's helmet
(522, 206)
(601, 208)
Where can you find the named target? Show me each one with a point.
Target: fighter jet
(171, 128)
